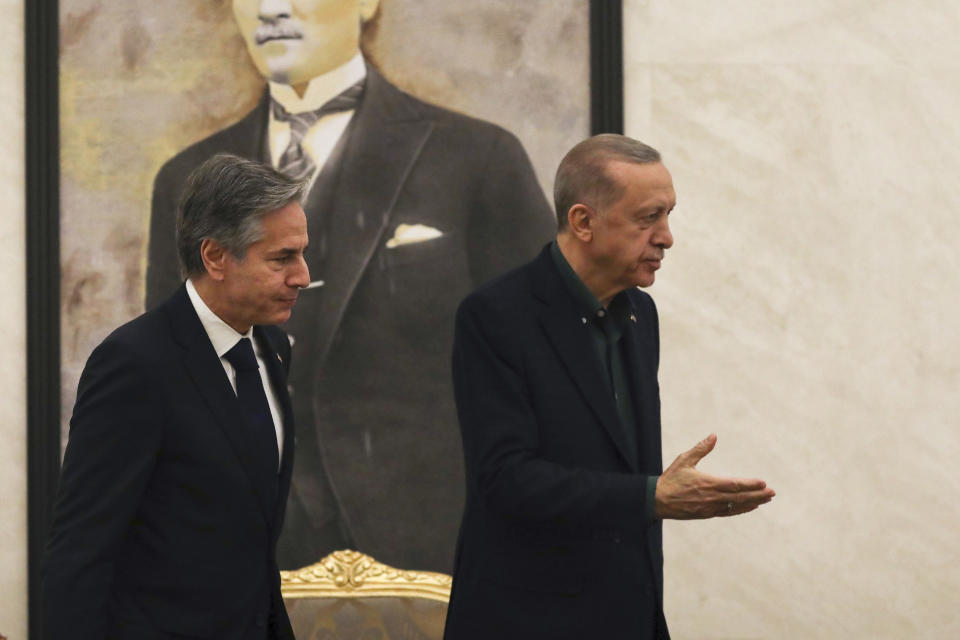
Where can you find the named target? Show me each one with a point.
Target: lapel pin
(583, 320)
(633, 318)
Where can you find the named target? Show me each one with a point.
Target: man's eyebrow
(651, 209)
(285, 251)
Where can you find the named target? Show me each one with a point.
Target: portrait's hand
(684, 493)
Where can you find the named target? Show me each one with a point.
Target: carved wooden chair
(351, 596)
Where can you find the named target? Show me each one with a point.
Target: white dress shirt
(224, 337)
(322, 137)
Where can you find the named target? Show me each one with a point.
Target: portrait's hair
(224, 199)
(582, 175)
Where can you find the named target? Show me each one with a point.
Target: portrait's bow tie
(295, 162)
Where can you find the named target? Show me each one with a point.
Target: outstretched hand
(685, 493)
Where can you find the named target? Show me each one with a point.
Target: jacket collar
(565, 324)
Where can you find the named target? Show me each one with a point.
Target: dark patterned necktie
(254, 405)
(295, 161)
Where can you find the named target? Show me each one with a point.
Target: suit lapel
(386, 139)
(278, 379)
(645, 395)
(204, 368)
(564, 326)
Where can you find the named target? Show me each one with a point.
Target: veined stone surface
(810, 306)
(13, 343)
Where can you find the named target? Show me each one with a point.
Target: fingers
(731, 485)
(699, 450)
(684, 492)
(732, 494)
(742, 503)
(736, 511)
(736, 485)
(689, 494)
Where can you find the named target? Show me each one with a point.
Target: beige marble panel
(787, 32)
(809, 308)
(13, 392)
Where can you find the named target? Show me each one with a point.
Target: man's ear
(368, 9)
(214, 257)
(580, 221)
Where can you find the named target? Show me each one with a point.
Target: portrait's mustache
(276, 31)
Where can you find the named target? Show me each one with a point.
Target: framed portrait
(439, 180)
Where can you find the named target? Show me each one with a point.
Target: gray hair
(582, 176)
(224, 200)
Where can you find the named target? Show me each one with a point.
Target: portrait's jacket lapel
(249, 137)
(387, 135)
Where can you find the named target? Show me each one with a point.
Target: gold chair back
(350, 596)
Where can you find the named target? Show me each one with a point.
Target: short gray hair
(582, 175)
(224, 200)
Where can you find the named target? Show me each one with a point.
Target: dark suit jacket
(554, 542)
(162, 529)
(378, 442)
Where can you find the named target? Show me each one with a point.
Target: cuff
(651, 498)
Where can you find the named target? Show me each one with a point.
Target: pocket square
(412, 233)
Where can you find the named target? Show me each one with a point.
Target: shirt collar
(584, 297)
(619, 308)
(320, 89)
(222, 336)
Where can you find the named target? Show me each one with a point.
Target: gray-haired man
(181, 442)
(555, 375)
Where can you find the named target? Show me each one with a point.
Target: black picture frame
(42, 158)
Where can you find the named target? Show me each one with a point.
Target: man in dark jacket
(555, 373)
(178, 464)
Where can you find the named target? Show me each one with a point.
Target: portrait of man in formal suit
(410, 207)
(177, 469)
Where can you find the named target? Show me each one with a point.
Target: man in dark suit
(555, 373)
(411, 206)
(178, 465)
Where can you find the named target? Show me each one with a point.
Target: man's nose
(663, 237)
(299, 276)
(273, 10)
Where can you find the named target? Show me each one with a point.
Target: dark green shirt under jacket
(606, 327)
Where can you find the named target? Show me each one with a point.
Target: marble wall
(13, 391)
(809, 308)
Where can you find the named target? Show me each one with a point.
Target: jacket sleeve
(502, 443)
(114, 438)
